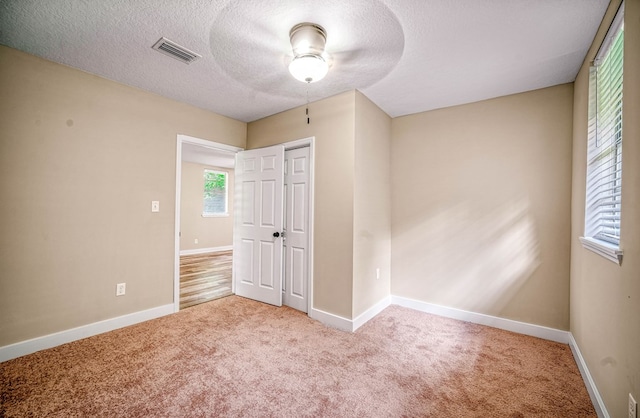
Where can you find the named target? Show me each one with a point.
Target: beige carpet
(235, 357)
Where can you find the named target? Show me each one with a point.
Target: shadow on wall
(471, 256)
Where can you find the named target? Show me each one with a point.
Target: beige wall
(605, 297)
(81, 159)
(332, 124)
(215, 231)
(371, 211)
(480, 206)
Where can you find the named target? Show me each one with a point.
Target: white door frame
(182, 139)
(185, 139)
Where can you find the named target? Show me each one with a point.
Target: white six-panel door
(257, 246)
(296, 228)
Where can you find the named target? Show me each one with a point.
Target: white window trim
(215, 215)
(611, 252)
(606, 250)
(226, 195)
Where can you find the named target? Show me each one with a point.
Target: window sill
(215, 215)
(608, 251)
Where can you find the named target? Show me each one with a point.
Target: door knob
(276, 234)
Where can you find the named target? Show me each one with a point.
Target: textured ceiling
(407, 56)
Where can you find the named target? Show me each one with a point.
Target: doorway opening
(204, 221)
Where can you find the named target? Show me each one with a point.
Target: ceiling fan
(347, 45)
(308, 43)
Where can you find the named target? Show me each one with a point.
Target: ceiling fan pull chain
(307, 110)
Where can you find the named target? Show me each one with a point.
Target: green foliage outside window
(215, 193)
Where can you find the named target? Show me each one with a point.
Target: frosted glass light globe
(308, 68)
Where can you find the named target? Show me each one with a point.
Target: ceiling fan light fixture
(308, 68)
(307, 42)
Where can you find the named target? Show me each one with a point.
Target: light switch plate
(155, 206)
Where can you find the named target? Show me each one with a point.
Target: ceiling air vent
(176, 51)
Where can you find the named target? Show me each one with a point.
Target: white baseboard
(206, 250)
(331, 320)
(596, 399)
(23, 348)
(492, 321)
(362, 319)
(349, 325)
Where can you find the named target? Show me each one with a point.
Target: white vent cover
(176, 51)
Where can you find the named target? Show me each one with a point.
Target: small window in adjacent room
(215, 193)
(604, 151)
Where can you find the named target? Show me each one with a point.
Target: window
(215, 193)
(604, 151)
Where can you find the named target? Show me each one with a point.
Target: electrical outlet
(633, 407)
(121, 288)
(378, 273)
(195, 241)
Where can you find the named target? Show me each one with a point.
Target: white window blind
(604, 155)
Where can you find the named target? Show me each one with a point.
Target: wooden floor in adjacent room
(204, 277)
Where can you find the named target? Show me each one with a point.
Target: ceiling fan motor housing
(307, 39)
